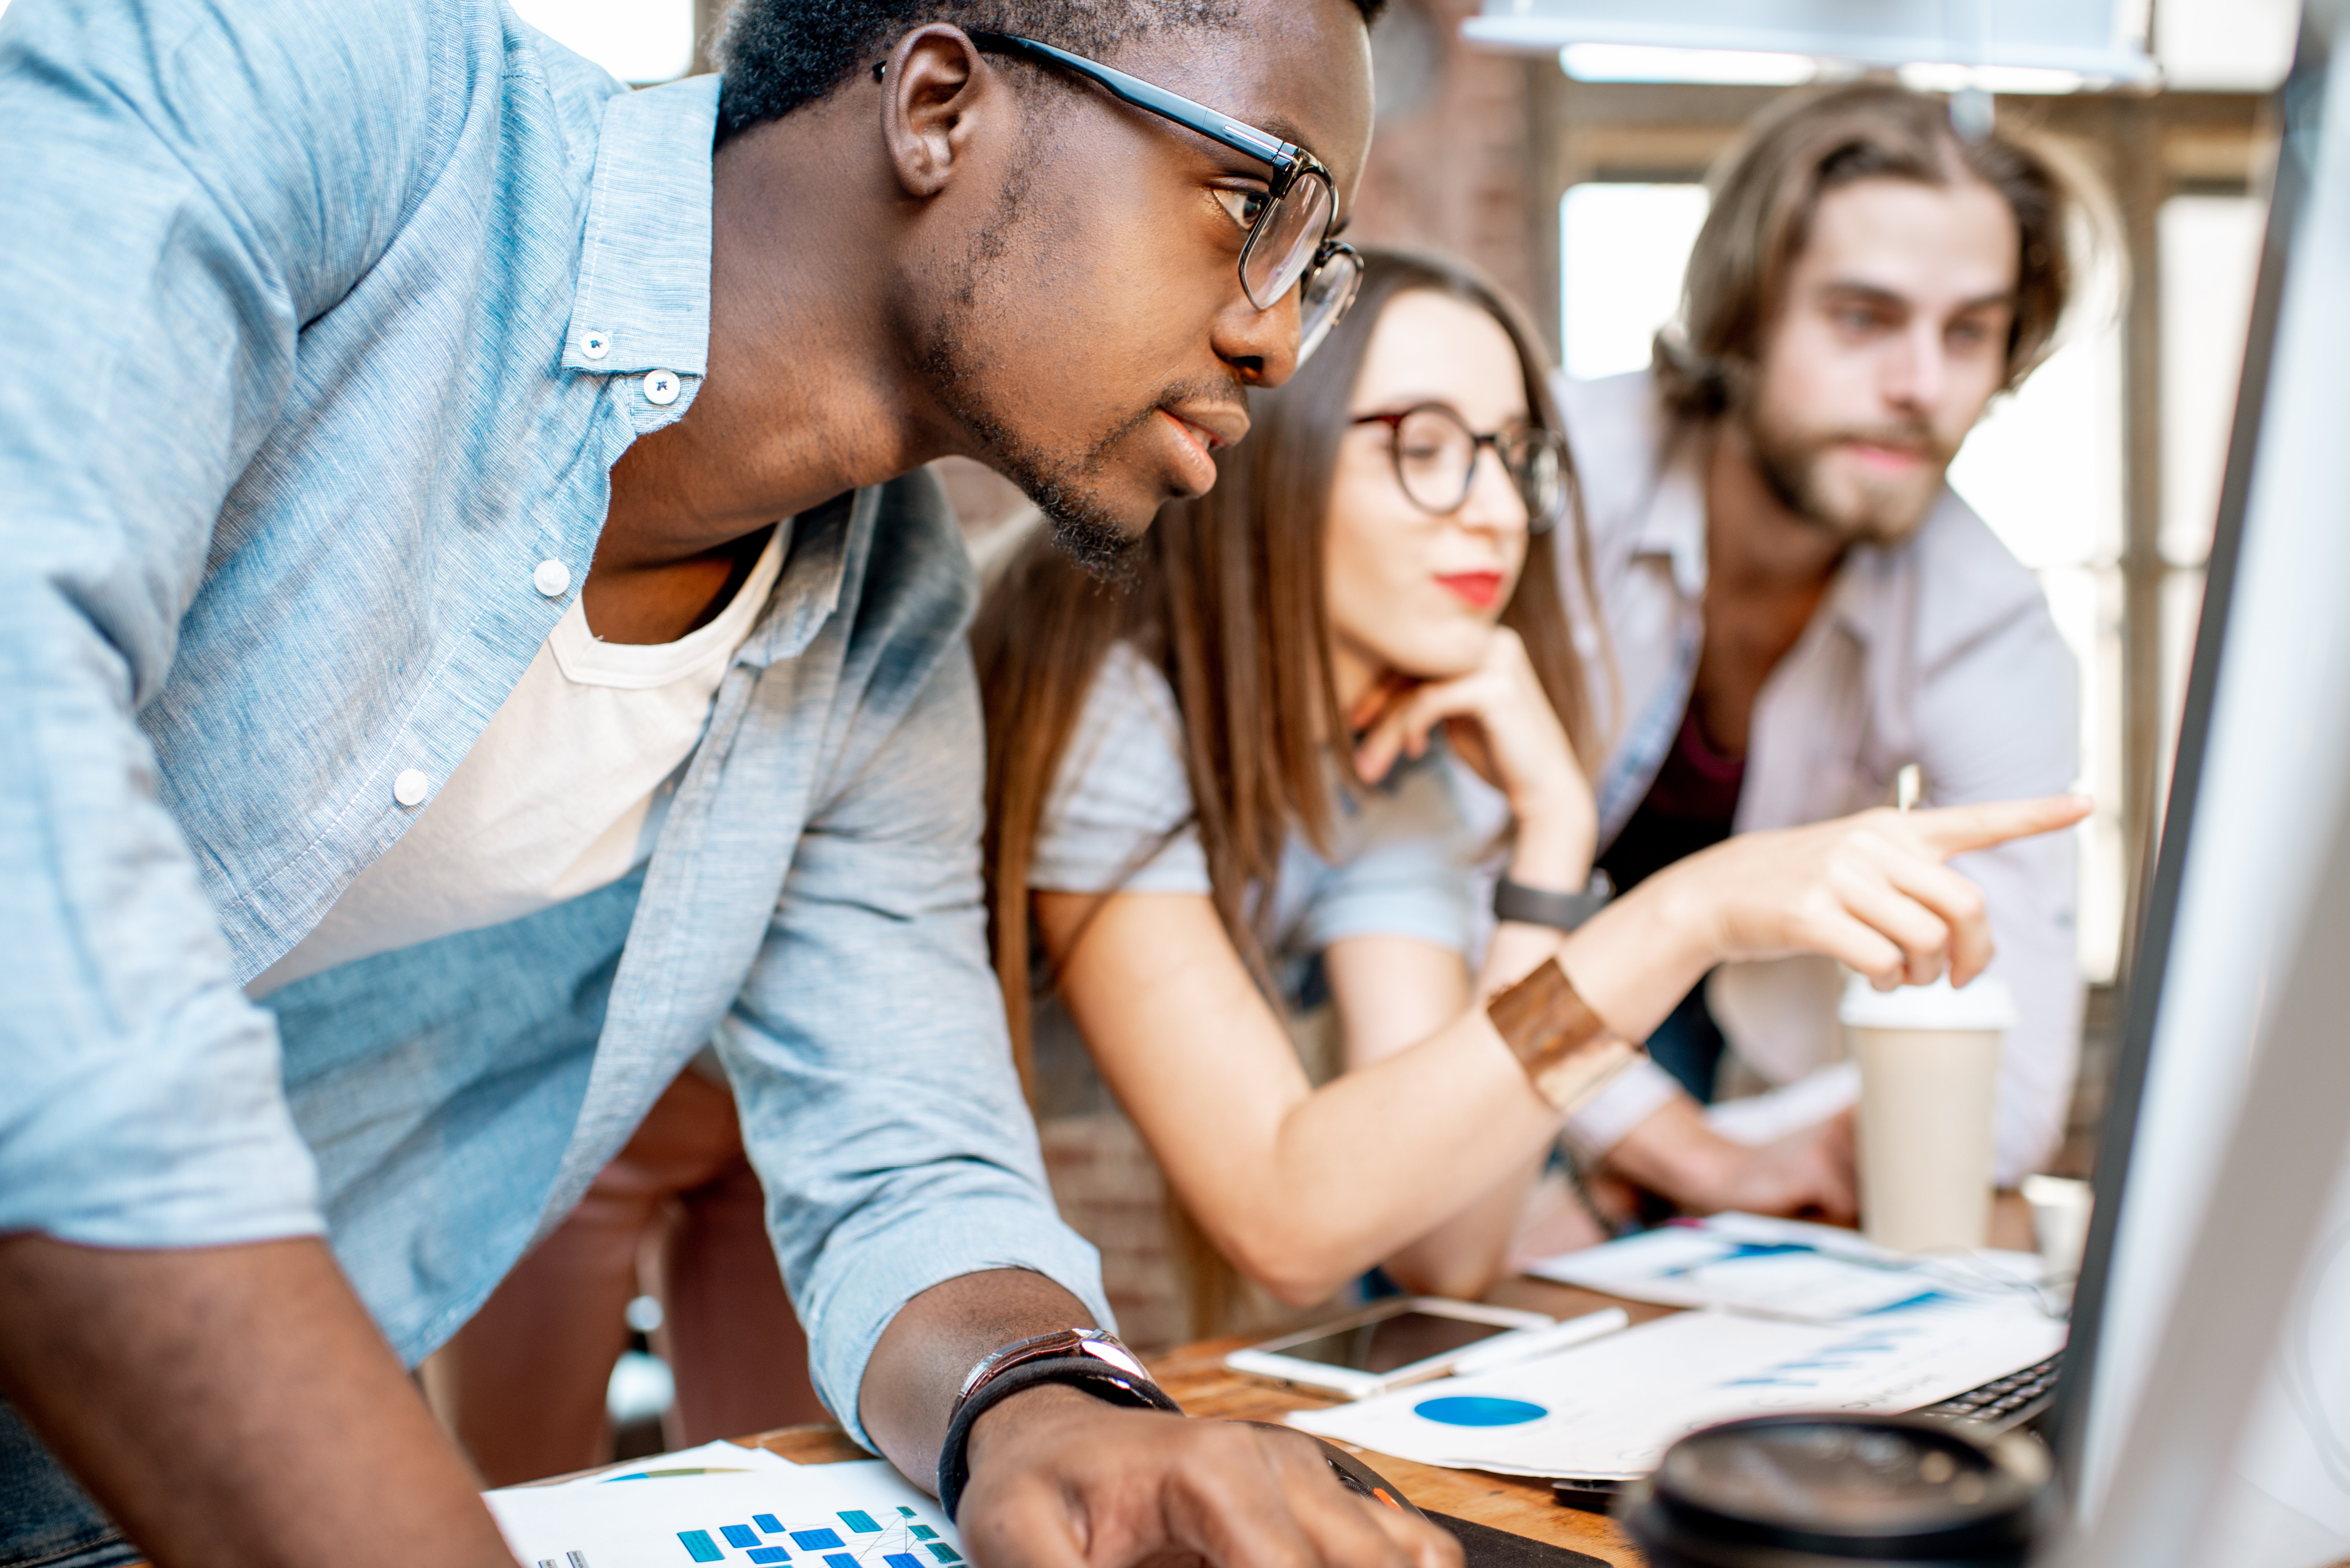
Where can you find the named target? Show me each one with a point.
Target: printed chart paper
(725, 1505)
(1611, 1407)
(1787, 1269)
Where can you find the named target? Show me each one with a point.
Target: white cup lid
(1984, 1003)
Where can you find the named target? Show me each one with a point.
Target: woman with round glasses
(1217, 801)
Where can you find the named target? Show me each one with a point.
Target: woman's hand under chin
(1500, 723)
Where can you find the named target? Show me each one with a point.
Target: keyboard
(2004, 1402)
(1998, 1405)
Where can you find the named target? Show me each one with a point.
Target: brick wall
(1449, 160)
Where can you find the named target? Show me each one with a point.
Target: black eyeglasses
(1289, 244)
(1436, 456)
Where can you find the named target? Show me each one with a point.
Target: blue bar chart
(848, 1538)
(759, 1512)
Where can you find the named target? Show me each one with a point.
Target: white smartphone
(1405, 1339)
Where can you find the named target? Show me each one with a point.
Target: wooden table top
(1196, 1376)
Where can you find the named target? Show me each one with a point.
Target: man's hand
(1061, 1479)
(1808, 1172)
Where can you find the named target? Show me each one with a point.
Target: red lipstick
(1478, 590)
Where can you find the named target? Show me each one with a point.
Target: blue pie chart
(1478, 1410)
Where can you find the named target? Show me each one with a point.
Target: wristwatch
(1102, 1345)
(1087, 1359)
(1562, 911)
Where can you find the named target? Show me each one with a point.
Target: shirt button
(660, 387)
(551, 577)
(596, 345)
(410, 786)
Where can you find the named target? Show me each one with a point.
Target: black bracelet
(1081, 1372)
(1561, 912)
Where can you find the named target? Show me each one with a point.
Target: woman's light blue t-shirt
(1120, 818)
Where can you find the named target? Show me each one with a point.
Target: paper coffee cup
(1928, 1060)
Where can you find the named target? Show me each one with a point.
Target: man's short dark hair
(777, 54)
(1767, 187)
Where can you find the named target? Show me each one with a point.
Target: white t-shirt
(564, 793)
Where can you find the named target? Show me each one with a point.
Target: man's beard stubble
(1062, 486)
(1082, 525)
(1791, 462)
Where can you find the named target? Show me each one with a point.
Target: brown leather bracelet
(1568, 1054)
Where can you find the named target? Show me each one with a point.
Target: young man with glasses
(467, 646)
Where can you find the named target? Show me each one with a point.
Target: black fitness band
(1561, 912)
(1081, 1372)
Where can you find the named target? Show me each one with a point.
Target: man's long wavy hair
(1767, 187)
(1226, 599)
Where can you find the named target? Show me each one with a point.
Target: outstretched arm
(1303, 1188)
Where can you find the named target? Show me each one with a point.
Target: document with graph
(720, 1504)
(1610, 1408)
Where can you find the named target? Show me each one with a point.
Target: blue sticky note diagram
(922, 1533)
(1478, 1410)
(815, 1539)
(858, 1519)
(901, 1560)
(699, 1547)
(739, 1535)
(770, 1554)
(840, 1560)
(768, 1522)
(945, 1553)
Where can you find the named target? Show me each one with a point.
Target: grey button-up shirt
(331, 320)
(1939, 650)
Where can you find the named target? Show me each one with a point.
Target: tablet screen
(1389, 1343)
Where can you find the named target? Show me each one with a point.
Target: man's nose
(1918, 369)
(1262, 344)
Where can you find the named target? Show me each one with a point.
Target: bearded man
(1801, 606)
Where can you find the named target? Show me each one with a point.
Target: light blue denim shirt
(326, 325)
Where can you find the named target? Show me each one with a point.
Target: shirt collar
(643, 299)
(1674, 524)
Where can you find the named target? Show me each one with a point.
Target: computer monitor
(2230, 1104)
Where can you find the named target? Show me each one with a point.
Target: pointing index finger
(1952, 830)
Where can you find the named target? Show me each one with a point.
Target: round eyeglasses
(1435, 453)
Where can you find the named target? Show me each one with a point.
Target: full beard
(1793, 462)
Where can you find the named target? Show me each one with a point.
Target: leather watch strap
(1560, 911)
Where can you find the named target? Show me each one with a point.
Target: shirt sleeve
(186, 185)
(1119, 817)
(1410, 870)
(1635, 1094)
(870, 1059)
(2000, 721)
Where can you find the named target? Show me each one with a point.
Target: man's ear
(936, 91)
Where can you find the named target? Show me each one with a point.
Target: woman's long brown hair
(1226, 599)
